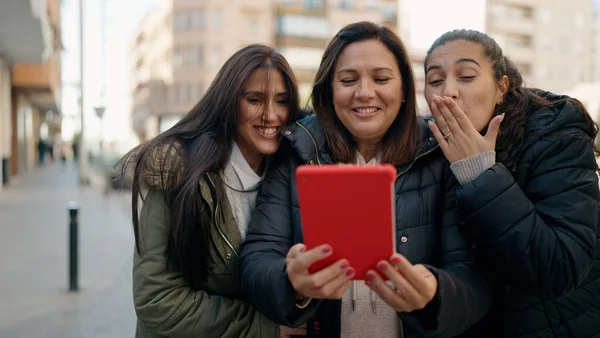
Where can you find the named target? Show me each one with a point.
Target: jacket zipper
(415, 160)
(400, 174)
(217, 219)
(313, 141)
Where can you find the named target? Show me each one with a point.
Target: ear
(502, 89)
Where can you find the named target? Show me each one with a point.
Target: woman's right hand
(329, 283)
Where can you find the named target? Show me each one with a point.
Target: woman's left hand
(414, 286)
(455, 133)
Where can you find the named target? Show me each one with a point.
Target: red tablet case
(351, 208)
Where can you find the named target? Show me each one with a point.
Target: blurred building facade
(551, 42)
(30, 86)
(181, 45)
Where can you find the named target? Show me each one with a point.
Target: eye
(347, 81)
(283, 101)
(381, 79)
(434, 82)
(253, 100)
(467, 78)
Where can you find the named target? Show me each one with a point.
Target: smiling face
(264, 110)
(461, 71)
(367, 90)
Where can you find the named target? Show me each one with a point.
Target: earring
(403, 101)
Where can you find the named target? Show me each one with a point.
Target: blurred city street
(34, 258)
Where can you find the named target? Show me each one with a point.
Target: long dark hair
(400, 142)
(518, 100)
(200, 143)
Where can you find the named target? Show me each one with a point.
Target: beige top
(364, 314)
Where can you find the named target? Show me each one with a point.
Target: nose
(450, 89)
(269, 114)
(365, 91)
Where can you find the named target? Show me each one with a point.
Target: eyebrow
(459, 61)
(262, 93)
(351, 70)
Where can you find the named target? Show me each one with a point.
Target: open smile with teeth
(267, 130)
(365, 110)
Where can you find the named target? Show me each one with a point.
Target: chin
(268, 149)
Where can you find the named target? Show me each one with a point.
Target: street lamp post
(82, 156)
(100, 113)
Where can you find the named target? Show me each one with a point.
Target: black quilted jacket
(427, 220)
(536, 229)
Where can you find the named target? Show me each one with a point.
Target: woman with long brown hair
(364, 101)
(197, 183)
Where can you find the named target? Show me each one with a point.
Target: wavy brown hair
(201, 143)
(518, 100)
(400, 142)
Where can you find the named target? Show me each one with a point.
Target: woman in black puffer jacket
(365, 105)
(530, 206)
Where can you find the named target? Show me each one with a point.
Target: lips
(366, 111)
(267, 131)
(369, 110)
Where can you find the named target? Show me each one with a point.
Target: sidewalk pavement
(34, 297)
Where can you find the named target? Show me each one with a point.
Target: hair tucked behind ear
(518, 100)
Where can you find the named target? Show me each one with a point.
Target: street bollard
(73, 246)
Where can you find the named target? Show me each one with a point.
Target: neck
(255, 159)
(368, 150)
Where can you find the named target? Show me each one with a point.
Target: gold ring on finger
(449, 134)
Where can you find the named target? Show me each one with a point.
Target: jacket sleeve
(166, 305)
(538, 237)
(464, 295)
(269, 237)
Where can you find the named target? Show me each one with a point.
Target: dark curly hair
(518, 100)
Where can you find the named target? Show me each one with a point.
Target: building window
(216, 19)
(518, 12)
(303, 57)
(216, 56)
(497, 11)
(546, 44)
(313, 4)
(346, 4)
(188, 56)
(198, 20)
(303, 26)
(200, 55)
(579, 20)
(252, 24)
(545, 15)
(577, 47)
(182, 22)
(518, 40)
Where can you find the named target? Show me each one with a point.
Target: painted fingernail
(326, 249)
(382, 267)
(350, 273)
(370, 276)
(344, 265)
(395, 260)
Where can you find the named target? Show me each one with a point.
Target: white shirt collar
(248, 178)
(360, 160)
